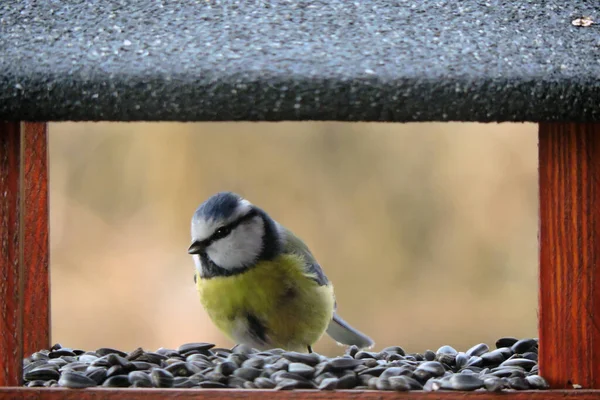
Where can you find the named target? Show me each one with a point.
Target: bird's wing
(293, 244)
(338, 329)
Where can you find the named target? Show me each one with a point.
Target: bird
(259, 283)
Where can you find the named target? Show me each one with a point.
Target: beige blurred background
(428, 231)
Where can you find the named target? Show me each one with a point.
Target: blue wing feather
(293, 244)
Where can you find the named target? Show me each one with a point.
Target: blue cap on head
(220, 206)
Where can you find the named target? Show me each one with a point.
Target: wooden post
(11, 262)
(569, 292)
(36, 302)
(24, 287)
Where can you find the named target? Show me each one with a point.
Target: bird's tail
(343, 333)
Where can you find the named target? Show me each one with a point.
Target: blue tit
(259, 283)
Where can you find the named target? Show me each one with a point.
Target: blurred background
(428, 231)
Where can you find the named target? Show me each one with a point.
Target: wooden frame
(243, 394)
(569, 289)
(25, 278)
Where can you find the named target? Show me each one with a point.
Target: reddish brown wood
(36, 318)
(210, 394)
(11, 351)
(569, 293)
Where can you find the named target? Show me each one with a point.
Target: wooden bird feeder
(274, 60)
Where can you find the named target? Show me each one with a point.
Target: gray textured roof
(381, 60)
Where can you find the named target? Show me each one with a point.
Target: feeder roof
(375, 60)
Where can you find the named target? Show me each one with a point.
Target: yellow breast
(293, 309)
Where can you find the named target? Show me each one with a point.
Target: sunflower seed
(328, 384)
(143, 365)
(393, 371)
(161, 378)
(133, 355)
(433, 368)
(87, 358)
(346, 382)
(301, 369)
(429, 355)
(287, 384)
(103, 351)
(537, 382)
(493, 384)
(153, 358)
(75, 380)
(115, 370)
(447, 350)
(493, 357)
(325, 375)
(139, 379)
(39, 356)
(43, 372)
(461, 360)
(281, 375)
(243, 349)
(518, 383)
(264, 383)
(474, 362)
(506, 372)
(519, 362)
(382, 384)
(248, 374)
(180, 368)
(341, 363)
(523, 345)
(200, 347)
(169, 353)
(97, 374)
(236, 382)
(366, 354)
(465, 382)
(352, 350)
(211, 385)
(226, 368)
(254, 363)
(506, 342)
(478, 350)
(394, 349)
(117, 381)
(375, 371)
(399, 383)
(61, 353)
(311, 359)
(414, 384)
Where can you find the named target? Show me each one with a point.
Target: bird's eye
(222, 232)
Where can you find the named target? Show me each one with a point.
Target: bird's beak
(196, 248)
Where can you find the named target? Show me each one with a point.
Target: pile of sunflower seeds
(511, 366)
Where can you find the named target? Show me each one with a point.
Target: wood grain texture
(210, 394)
(11, 351)
(36, 299)
(569, 291)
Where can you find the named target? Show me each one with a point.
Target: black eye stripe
(229, 227)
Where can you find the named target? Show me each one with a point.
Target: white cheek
(198, 263)
(241, 248)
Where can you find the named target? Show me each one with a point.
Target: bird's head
(230, 232)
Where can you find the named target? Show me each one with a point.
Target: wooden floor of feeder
(382, 60)
(230, 394)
